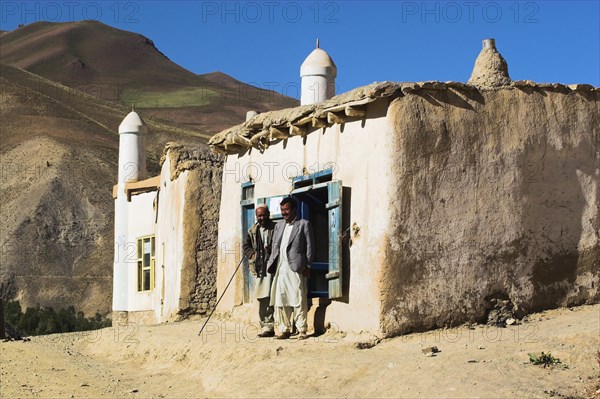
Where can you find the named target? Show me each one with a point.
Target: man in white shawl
(290, 260)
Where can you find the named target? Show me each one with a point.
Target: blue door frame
(312, 208)
(248, 219)
(319, 201)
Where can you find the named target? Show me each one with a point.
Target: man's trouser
(265, 313)
(286, 314)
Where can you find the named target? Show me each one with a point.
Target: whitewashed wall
(169, 242)
(360, 154)
(140, 224)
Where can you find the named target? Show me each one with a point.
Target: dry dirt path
(52, 367)
(172, 361)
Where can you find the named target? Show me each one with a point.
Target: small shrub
(545, 359)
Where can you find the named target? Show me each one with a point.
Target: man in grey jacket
(290, 260)
(257, 249)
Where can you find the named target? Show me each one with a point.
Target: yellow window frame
(146, 266)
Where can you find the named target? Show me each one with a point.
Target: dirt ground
(172, 361)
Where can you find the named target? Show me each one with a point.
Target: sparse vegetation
(544, 359)
(186, 97)
(40, 321)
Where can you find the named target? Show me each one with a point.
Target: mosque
(431, 202)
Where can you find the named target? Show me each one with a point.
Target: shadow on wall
(555, 209)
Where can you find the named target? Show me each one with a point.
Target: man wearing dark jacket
(257, 249)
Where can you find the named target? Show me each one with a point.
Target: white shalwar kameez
(288, 292)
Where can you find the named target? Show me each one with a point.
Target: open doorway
(311, 205)
(320, 202)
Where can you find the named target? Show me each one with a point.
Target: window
(145, 263)
(247, 191)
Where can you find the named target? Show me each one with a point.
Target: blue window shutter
(334, 210)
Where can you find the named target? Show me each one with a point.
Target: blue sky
(264, 42)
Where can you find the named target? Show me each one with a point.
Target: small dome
(132, 124)
(318, 60)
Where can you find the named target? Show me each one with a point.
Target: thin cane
(221, 297)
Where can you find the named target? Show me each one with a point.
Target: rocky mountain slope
(58, 158)
(64, 89)
(126, 67)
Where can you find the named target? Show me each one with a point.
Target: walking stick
(221, 297)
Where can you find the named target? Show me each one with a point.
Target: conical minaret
(132, 148)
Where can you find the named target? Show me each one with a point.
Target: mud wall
(497, 196)
(200, 224)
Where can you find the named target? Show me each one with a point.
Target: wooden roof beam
(340, 118)
(278, 133)
(319, 122)
(355, 111)
(298, 130)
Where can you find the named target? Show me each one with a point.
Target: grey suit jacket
(300, 248)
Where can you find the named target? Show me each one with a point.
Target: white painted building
(153, 277)
(428, 200)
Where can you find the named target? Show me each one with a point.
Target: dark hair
(289, 200)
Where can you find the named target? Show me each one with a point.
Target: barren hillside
(58, 153)
(126, 67)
